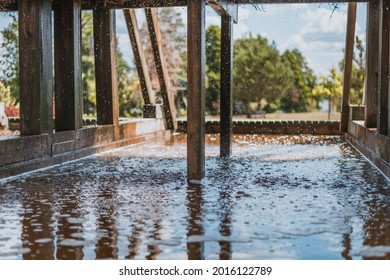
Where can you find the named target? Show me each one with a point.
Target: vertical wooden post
(383, 61)
(226, 122)
(349, 45)
(196, 90)
(371, 89)
(68, 68)
(139, 57)
(107, 104)
(36, 67)
(162, 70)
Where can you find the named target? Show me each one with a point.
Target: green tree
(9, 59)
(331, 88)
(304, 82)
(260, 73)
(213, 68)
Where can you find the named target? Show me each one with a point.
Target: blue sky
(315, 29)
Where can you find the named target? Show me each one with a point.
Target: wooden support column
(139, 57)
(226, 121)
(349, 45)
(383, 61)
(162, 70)
(36, 67)
(196, 90)
(68, 68)
(107, 104)
(371, 89)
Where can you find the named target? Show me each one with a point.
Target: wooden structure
(369, 133)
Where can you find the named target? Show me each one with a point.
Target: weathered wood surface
(349, 46)
(12, 5)
(67, 61)
(162, 70)
(36, 67)
(371, 89)
(139, 57)
(384, 60)
(196, 90)
(107, 104)
(226, 86)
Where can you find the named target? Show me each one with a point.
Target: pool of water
(281, 197)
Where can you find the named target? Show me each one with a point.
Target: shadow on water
(276, 198)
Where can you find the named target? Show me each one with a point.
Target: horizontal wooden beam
(225, 8)
(12, 5)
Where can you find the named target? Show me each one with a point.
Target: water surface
(282, 197)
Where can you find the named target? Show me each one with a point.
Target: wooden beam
(226, 115)
(383, 61)
(68, 68)
(105, 66)
(371, 89)
(225, 8)
(36, 67)
(162, 70)
(196, 90)
(139, 57)
(348, 62)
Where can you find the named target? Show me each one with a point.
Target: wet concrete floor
(284, 197)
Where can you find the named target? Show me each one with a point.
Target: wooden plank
(226, 86)
(36, 67)
(225, 8)
(105, 67)
(139, 57)
(348, 61)
(67, 60)
(371, 89)
(196, 90)
(162, 70)
(383, 62)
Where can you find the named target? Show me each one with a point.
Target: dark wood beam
(371, 89)
(162, 70)
(11, 5)
(225, 8)
(107, 104)
(36, 67)
(139, 57)
(196, 90)
(348, 62)
(67, 61)
(226, 115)
(383, 114)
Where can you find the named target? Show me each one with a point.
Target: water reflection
(318, 199)
(195, 249)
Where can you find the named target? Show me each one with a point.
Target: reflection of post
(106, 245)
(348, 61)
(134, 241)
(195, 250)
(70, 229)
(154, 249)
(37, 234)
(224, 227)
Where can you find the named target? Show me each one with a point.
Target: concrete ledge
(23, 154)
(274, 127)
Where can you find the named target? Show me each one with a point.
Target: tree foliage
(260, 72)
(304, 82)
